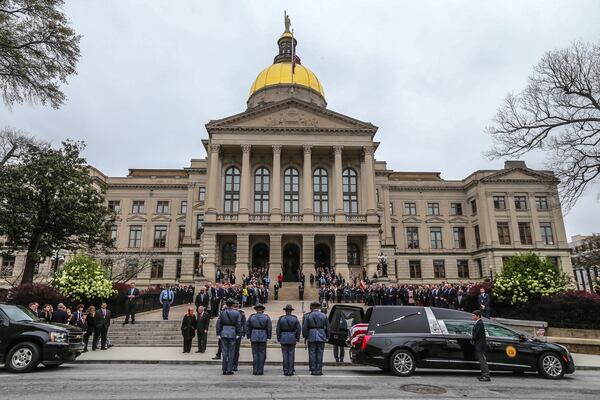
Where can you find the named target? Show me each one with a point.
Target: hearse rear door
(341, 318)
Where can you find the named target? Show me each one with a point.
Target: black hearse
(25, 341)
(401, 338)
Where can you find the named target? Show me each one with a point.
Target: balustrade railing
(292, 217)
(227, 217)
(356, 218)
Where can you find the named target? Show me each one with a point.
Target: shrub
(39, 292)
(526, 276)
(82, 278)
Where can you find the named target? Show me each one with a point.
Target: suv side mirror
(522, 338)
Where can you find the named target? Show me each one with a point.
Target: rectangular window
(541, 203)
(499, 202)
(8, 266)
(477, 236)
(503, 233)
(201, 193)
(415, 269)
(460, 241)
(113, 233)
(410, 208)
(183, 207)
(131, 269)
(473, 206)
(554, 261)
(479, 267)
(199, 226)
(456, 209)
(463, 268)
(160, 236)
(546, 230)
(433, 208)
(181, 235)
(525, 233)
(178, 269)
(137, 207)
(521, 202)
(435, 235)
(114, 206)
(162, 207)
(135, 236)
(156, 269)
(439, 269)
(412, 237)
(196, 264)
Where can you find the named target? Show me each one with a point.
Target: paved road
(133, 382)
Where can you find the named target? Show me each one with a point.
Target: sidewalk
(173, 355)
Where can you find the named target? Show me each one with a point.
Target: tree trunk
(32, 257)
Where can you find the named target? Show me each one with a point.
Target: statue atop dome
(286, 21)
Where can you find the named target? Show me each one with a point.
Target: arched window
(261, 191)
(320, 191)
(231, 203)
(291, 191)
(350, 191)
(228, 254)
(353, 254)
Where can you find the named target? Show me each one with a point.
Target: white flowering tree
(527, 276)
(83, 278)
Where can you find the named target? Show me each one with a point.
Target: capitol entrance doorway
(260, 255)
(322, 256)
(291, 262)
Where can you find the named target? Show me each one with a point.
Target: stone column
(387, 217)
(242, 258)
(212, 188)
(336, 188)
(187, 264)
(276, 185)
(536, 236)
(245, 187)
(209, 246)
(308, 254)
(373, 249)
(190, 233)
(274, 256)
(341, 255)
(558, 224)
(515, 238)
(307, 183)
(369, 183)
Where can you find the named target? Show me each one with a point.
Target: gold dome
(281, 74)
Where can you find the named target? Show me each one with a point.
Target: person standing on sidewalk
(480, 345)
(288, 334)
(132, 294)
(484, 303)
(102, 324)
(315, 330)
(188, 329)
(166, 299)
(202, 323)
(229, 328)
(238, 342)
(259, 329)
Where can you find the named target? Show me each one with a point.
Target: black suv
(402, 338)
(25, 341)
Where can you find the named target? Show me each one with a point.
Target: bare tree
(558, 112)
(38, 51)
(127, 265)
(13, 142)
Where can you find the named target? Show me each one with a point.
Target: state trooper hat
(259, 306)
(315, 304)
(288, 307)
(230, 302)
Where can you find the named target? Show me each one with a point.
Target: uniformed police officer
(288, 334)
(229, 328)
(258, 330)
(238, 341)
(315, 330)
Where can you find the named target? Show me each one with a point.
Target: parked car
(25, 342)
(400, 339)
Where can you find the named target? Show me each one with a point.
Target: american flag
(357, 333)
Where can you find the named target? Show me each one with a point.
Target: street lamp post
(382, 264)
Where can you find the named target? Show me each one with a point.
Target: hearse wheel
(551, 366)
(402, 363)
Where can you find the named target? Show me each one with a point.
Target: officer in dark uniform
(301, 291)
(229, 329)
(288, 334)
(238, 342)
(258, 330)
(315, 330)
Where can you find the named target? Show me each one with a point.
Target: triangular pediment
(181, 218)
(458, 220)
(161, 218)
(519, 174)
(290, 114)
(136, 218)
(411, 220)
(435, 220)
(198, 206)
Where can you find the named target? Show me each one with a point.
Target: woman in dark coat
(90, 327)
(188, 329)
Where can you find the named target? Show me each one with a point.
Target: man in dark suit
(132, 294)
(60, 315)
(79, 318)
(102, 324)
(202, 299)
(479, 344)
(461, 300)
(484, 303)
(202, 323)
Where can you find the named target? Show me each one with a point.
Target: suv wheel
(23, 357)
(402, 363)
(551, 366)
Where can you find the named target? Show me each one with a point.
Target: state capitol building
(289, 184)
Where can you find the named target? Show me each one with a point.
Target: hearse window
(459, 327)
(385, 317)
(345, 319)
(500, 332)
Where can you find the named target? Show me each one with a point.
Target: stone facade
(290, 184)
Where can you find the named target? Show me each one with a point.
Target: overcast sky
(429, 74)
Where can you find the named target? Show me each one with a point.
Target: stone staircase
(289, 291)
